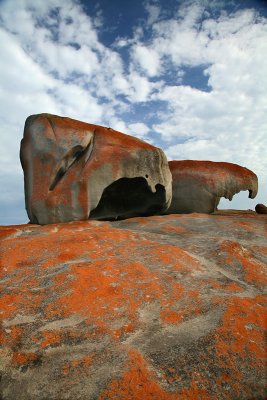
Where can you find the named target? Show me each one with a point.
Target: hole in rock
(129, 197)
(240, 201)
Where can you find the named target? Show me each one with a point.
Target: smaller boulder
(198, 186)
(261, 209)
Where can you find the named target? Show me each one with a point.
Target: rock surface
(75, 171)
(198, 185)
(164, 307)
(261, 209)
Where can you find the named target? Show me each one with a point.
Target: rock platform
(162, 307)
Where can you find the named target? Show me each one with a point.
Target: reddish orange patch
(138, 382)
(170, 317)
(51, 338)
(24, 358)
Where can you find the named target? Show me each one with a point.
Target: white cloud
(63, 39)
(146, 58)
(17, 69)
(138, 129)
(140, 87)
(24, 91)
(78, 103)
(153, 13)
(180, 42)
(229, 122)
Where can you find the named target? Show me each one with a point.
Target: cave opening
(127, 198)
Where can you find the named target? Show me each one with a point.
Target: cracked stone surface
(199, 185)
(161, 307)
(76, 171)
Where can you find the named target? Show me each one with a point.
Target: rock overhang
(198, 186)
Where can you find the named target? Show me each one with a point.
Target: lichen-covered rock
(164, 308)
(75, 171)
(198, 185)
(261, 209)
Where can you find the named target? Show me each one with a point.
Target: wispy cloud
(228, 121)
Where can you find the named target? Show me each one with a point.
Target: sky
(188, 76)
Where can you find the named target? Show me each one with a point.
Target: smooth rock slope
(164, 307)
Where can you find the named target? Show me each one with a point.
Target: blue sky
(188, 76)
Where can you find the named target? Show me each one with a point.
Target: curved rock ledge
(198, 185)
(165, 307)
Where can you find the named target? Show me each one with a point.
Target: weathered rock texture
(165, 308)
(75, 171)
(261, 209)
(198, 185)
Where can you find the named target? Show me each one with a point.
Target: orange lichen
(174, 229)
(51, 338)
(11, 336)
(24, 357)
(233, 287)
(77, 363)
(170, 317)
(194, 392)
(138, 382)
(112, 290)
(246, 321)
(240, 340)
(99, 289)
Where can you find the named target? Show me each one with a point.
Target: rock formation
(261, 209)
(164, 307)
(75, 171)
(198, 185)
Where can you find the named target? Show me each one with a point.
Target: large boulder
(75, 171)
(198, 185)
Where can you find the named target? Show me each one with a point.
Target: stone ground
(163, 308)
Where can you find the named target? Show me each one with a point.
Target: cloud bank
(191, 80)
